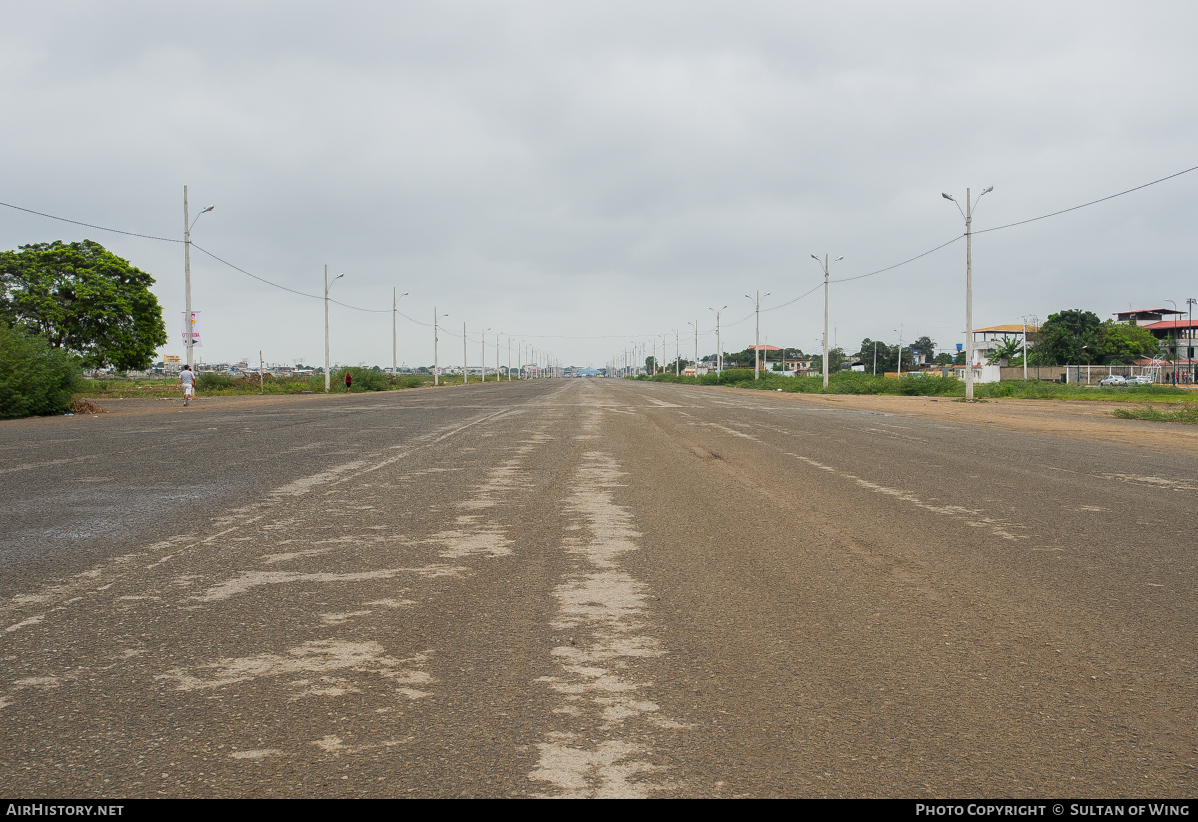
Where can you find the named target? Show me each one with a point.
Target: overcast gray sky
(582, 175)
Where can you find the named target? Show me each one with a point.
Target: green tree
(84, 299)
(887, 359)
(35, 378)
(1123, 343)
(1067, 336)
(835, 357)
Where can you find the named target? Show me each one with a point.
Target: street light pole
(826, 267)
(327, 363)
(757, 335)
(1175, 352)
(465, 375)
(189, 319)
(1190, 339)
(719, 348)
(968, 215)
(394, 338)
(436, 339)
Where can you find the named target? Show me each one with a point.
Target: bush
(212, 381)
(36, 378)
(364, 380)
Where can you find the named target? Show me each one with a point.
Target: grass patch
(855, 382)
(212, 384)
(1186, 416)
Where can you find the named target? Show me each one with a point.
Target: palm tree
(1010, 348)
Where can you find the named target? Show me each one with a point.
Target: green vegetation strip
(1188, 416)
(854, 382)
(211, 384)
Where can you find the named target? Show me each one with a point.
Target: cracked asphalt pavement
(595, 588)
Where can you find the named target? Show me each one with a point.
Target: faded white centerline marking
(590, 750)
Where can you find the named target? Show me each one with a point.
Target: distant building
(1144, 316)
(986, 340)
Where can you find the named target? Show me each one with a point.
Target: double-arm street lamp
(189, 320)
(967, 213)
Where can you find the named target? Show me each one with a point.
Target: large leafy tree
(1069, 335)
(84, 299)
(1124, 342)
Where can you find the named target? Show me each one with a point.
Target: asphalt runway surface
(589, 588)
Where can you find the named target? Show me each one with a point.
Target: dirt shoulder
(1088, 420)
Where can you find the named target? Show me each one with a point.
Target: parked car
(1114, 379)
(1142, 379)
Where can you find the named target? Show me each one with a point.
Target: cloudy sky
(580, 176)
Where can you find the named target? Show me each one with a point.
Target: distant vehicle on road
(1142, 379)
(1114, 379)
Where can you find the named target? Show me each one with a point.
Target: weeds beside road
(931, 386)
(1188, 416)
(212, 384)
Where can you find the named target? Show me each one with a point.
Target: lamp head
(838, 259)
(338, 277)
(815, 258)
(987, 191)
(947, 196)
(209, 208)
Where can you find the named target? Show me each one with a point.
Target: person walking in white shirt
(187, 379)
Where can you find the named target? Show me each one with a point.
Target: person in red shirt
(349, 380)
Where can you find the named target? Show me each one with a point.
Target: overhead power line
(604, 336)
(89, 225)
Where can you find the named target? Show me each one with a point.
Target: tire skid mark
(604, 704)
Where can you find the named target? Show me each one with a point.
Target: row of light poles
(966, 213)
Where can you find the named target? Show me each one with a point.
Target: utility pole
(1025, 349)
(509, 359)
(757, 335)
(968, 215)
(482, 350)
(436, 362)
(1190, 341)
(825, 265)
(719, 348)
(677, 355)
(465, 375)
(189, 319)
(327, 363)
(900, 356)
(394, 338)
(875, 358)
(261, 374)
